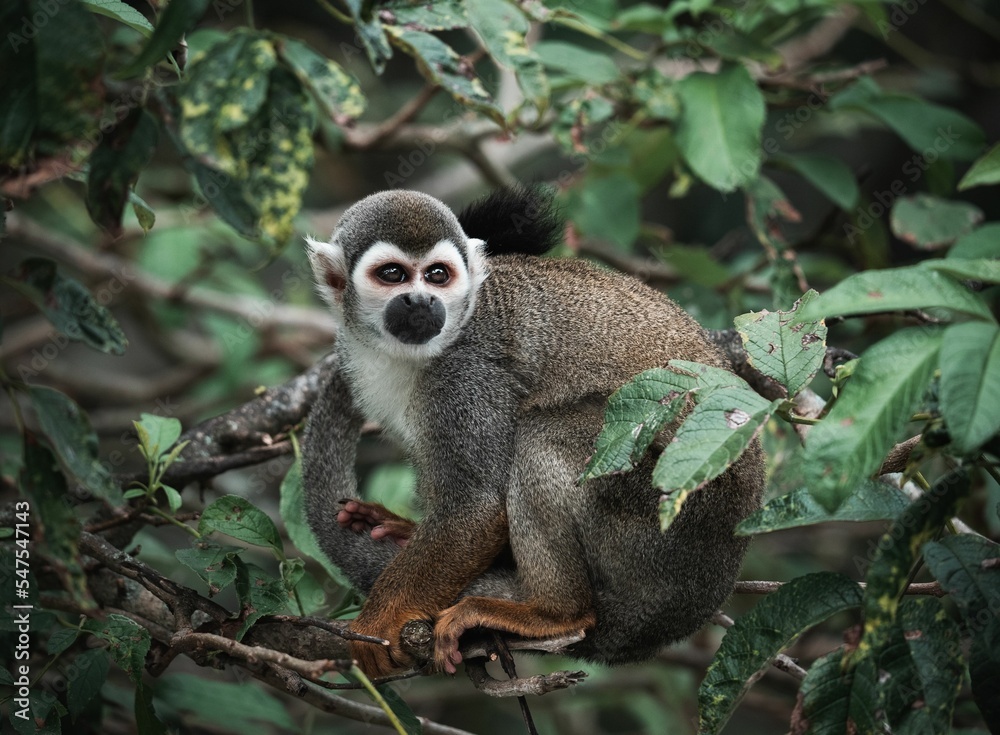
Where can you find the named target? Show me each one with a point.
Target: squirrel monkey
(492, 367)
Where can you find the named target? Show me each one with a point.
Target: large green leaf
(67, 304)
(128, 642)
(710, 439)
(292, 508)
(502, 27)
(896, 554)
(115, 166)
(959, 563)
(894, 289)
(239, 518)
(179, 17)
(122, 13)
(970, 383)
(789, 353)
(869, 501)
(757, 637)
(866, 421)
(246, 709)
(215, 564)
(984, 270)
(436, 15)
(587, 66)
(830, 175)
(719, 129)
(924, 126)
(90, 670)
(830, 695)
(921, 669)
(439, 63)
(983, 242)
(985, 171)
(608, 208)
(260, 594)
(74, 442)
(931, 223)
(337, 92)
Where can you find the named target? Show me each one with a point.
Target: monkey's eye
(437, 274)
(391, 273)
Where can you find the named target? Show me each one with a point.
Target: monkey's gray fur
(499, 422)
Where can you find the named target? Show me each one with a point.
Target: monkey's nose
(414, 318)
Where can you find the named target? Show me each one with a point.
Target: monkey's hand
(377, 660)
(376, 520)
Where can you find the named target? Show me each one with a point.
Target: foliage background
(732, 153)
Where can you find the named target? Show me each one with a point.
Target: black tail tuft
(515, 219)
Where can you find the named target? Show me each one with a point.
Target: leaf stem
(170, 519)
(379, 699)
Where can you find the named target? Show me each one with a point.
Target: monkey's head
(399, 273)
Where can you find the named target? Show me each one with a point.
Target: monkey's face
(413, 305)
(400, 275)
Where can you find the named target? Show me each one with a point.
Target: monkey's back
(608, 327)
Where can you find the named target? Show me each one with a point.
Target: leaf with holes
(439, 63)
(710, 439)
(932, 223)
(128, 642)
(757, 637)
(67, 304)
(215, 564)
(239, 518)
(866, 421)
(789, 352)
(260, 594)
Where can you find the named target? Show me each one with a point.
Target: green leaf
(436, 15)
(985, 171)
(719, 129)
(789, 353)
(142, 211)
(67, 304)
(260, 594)
(439, 63)
(897, 552)
(157, 433)
(371, 33)
(74, 442)
(239, 518)
(756, 638)
(735, 45)
(502, 27)
(931, 223)
(228, 197)
(292, 508)
(921, 670)
(90, 669)
(60, 640)
(43, 483)
(122, 13)
(710, 439)
(866, 421)
(215, 564)
(829, 695)
(983, 242)
(146, 721)
(924, 126)
(958, 563)
(970, 383)
(869, 501)
(767, 207)
(115, 166)
(981, 269)
(608, 208)
(338, 93)
(894, 289)
(128, 642)
(830, 175)
(174, 500)
(225, 90)
(589, 67)
(246, 709)
(178, 18)
(411, 723)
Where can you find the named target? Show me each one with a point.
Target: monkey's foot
(376, 520)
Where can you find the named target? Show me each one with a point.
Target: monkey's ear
(476, 253)
(329, 269)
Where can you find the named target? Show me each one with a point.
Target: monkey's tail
(515, 219)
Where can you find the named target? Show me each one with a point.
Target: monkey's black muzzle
(414, 318)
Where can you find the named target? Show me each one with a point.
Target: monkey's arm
(463, 483)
